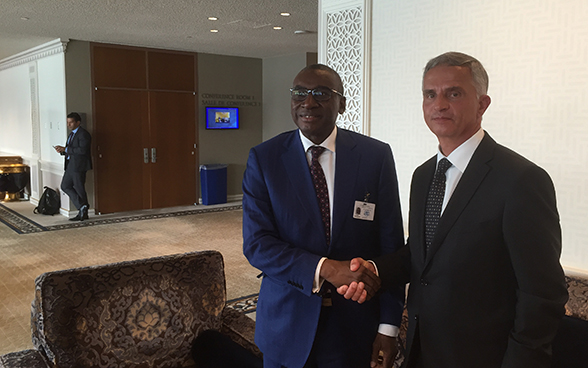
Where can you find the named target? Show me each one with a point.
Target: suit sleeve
(283, 262)
(533, 237)
(394, 268)
(391, 237)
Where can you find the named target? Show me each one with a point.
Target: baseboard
(230, 198)
(575, 272)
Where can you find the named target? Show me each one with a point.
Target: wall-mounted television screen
(222, 118)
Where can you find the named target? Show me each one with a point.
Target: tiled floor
(25, 256)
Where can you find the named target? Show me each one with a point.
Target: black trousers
(73, 184)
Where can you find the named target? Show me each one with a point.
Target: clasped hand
(355, 279)
(357, 290)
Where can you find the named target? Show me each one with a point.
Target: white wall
(536, 54)
(15, 111)
(33, 115)
(52, 113)
(278, 74)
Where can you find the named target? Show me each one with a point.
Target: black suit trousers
(73, 184)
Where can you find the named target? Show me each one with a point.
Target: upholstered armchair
(143, 313)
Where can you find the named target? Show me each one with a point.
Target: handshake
(355, 279)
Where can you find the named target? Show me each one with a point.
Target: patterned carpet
(25, 225)
(28, 249)
(246, 304)
(17, 222)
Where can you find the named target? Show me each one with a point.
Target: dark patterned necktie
(320, 186)
(69, 138)
(435, 202)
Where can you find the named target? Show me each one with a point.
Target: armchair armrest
(240, 329)
(23, 359)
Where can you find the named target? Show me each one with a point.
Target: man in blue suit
(302, 241)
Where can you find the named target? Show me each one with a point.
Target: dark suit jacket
(284, 237)
(79, 152)
(491, 291)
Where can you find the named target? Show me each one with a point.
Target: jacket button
(424, 282)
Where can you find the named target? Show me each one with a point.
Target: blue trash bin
(213, 183)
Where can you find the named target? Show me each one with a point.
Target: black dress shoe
(77, 218)
(84, 213)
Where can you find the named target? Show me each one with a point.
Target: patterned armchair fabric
(143, 313)
(577, 305)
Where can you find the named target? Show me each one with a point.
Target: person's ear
(483, 103)
(342, 105)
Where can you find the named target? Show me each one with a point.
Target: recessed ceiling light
(277, 27)
(284, 14)
(214, 30)
(212, 18)
(24, 18)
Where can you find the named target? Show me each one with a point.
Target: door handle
(153, 155)
(146, 155)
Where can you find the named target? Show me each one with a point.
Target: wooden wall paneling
(171, 71)
(120, 118)
(119, 67)
(173, 134)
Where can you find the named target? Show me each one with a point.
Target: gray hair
(479, 75)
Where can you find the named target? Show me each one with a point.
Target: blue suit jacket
(284, 237)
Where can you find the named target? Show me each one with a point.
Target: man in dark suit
(486, 286)
(77, 161)
(302, 234)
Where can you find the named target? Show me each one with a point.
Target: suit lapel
(346, 171)
(294, 160)
(475, 173)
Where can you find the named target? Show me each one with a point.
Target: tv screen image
(222, 118)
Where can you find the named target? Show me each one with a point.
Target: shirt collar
(461, 156)
(75, 130)
(328, 143)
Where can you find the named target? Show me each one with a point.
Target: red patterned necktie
(435, 202)
(320, 186)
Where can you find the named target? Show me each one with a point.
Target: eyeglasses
(319, 94)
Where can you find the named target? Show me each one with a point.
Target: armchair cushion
(143, 313)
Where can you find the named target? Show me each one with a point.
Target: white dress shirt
(459, 158)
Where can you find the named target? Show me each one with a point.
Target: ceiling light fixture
(277, 27)
(214, 30)
(285, 14)
(24, 18)
(212, 18)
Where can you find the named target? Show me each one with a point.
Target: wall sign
(221, 99)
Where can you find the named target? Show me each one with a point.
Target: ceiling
(245, 27)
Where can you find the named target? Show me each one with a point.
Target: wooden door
(145, 121)
(173, 136)
(120, 120)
